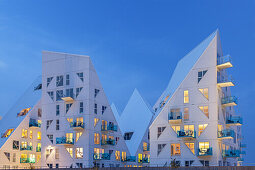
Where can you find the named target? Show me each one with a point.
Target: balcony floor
(224, 66)
(229, 104)
(225, 84)
(67, 99)
(176, 121)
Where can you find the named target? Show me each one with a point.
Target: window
(189, 163)
(7, 133)
(95, 108)
(123, 156)
(128, 135)
(8, 155)
(70, 150)
(79, 153)
(31, 134)
(201, 128)
(160, 130)
(176, 128)
(140, 158)
(59, 81)
(57, 124)
(204, 163)
(96, 138)
(67, 79)
(186, 114)
(103, 109)
(79, 165)
(81, 107)
(78, 135)
(14, 157)
(69, 93)
(48, 123)
(69, 137)
(51, 94)
(116, 140)
(23, 112)
(78, 90)
(189, 128)
(68, 106)
(200, 75)
(59, 95)
(80, 75)
(49, 80)
(39, 136)
(160, 147)
(48, 152)
(186, 96)
(191, 146)
(203, 147)
(204, 109)
(175, 149)
(57, 110)
(57, 165)
(39, 112)
(117, 155)
(50, 138)
(15, 145)
(38, 87)
(204, 92)
(96, 92)
(145, 146)
(95, 121)
(24, 133)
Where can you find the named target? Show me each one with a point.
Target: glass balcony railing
(224, 62)
(175, 117)
(226, 81)
(27, 160)
(34, 123)
(26, 148)
(145, 160)
(128, 159)
(234, 120)
(110, 127)
(205, 152)
(226, 134)
(38, 149)
(64, 141)
(186, 134)
(229, 101)
(242, 145)
(231, 153)
(101, 156)
(77, 125)
(146, 148)
(108, 142)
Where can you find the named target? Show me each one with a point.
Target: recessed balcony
(146, 148)
(226, 134)
(129, 159)
(77, 125)
(145, 160)
(64, 141)
(108, 142)
(204, 152)
(101, 156)
(33, 123)
(229, 101)
(110, 127)
(186, 134)
(175, 117)
(225, 81)
(26, 148)
(234, 121)
(231, 153)
(27, 160)
(224, 62)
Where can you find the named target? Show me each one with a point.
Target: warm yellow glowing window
(176, 128)
(23, 112)
(220, 128)
(39, 145)
(186, 96)
(39, 122)
(186, 113)
(24, 133)
(175, 149)
(191, 146)
(39, 135)
(78, 135)
(145, 146)
(123, 156)
(70, 150)
(205, 110)
(201, 128)
(95, 121)
(24, 156)
(104, 125)
(70, 120)
(79, 119)
(38, 158)
(204, 145)
(204, 92)
(140, 158)
(69, 137)
(96, 138)
(117, 155)
(23, 144)
(30, 134)
(98, 150)
(7, 133)
(189, 128)
(104, 137)
(79, 153)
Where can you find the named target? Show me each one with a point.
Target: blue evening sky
(133, 44)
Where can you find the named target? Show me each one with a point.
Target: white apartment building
(195, 122)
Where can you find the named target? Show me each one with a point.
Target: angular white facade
(195, 122)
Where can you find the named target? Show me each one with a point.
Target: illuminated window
(98, 152)
(78, 135)
(39, 136)
(140, 158)
(188, 127)
(201, 128)
(204, 146)
(123, 156)
(38, 158)
(69, 137)
(145, 146)
(79, 153)
(56, 153)
(7, 133)
(23, 112)
(204, 109)
(70, 120)
(191, 146)
(201, 75)
(95, 121)
(117, 155)
(23, 144)
(96, 138)
(176, 128)
(104, 125)
(70, 150)
(186, 114)
(220, 128)
(24, 133)
(175, 149)
(204, 92)
(186, 96)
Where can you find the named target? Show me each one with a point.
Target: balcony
(128, 159)
(204, 152)
(68, 97)
(229, 101)
(108, 142)
(144, 160)
(64, 141)
(175, 117)
(188, 134)
(77, 125)
(226, 134)
(242, 145)
(147, 148)
(38, 149)
(26, 148)
(225, 81)
(34, 124)
(110, 127)
(231, 153)
(27, 160)
(224, 62)
(101, 156)
(234, 121)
